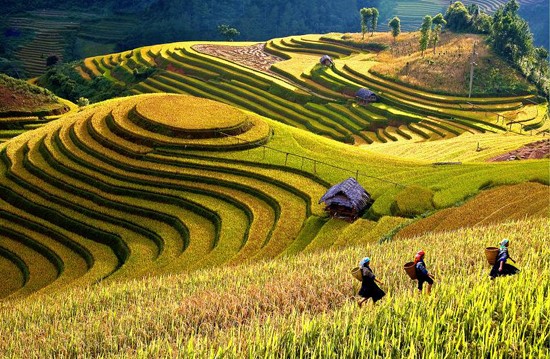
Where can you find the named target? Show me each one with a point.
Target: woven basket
(410, 268)
(491, 254)
(356, 273)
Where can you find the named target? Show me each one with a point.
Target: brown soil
(253, 56)
(18, 103)
(535, 150)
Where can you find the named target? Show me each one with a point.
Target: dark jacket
(421, 270)
(369, 288)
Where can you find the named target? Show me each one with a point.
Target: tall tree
(366, 14)
(510, 35)
(395, 25)
(228, 32)
(541, 57)
(425, 31)
(438, 21)
(374, 19)
(511, 7)
(458, 18)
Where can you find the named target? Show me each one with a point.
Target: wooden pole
(472, 64)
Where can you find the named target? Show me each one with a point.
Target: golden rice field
(304, 306)
(299, 92)
(118, 191)
(185, 221)
(504, 203)
(464, 148)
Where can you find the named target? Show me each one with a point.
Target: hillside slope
(303, 306)
(283, 80)
(161, 183)
(24, 107)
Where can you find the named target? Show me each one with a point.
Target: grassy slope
(18, 96)
(303, 304)
(448, 69)
(443, 180)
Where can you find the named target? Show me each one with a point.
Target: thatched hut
(326, 61)
(366, 96)
(346, 200)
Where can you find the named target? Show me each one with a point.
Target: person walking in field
(369, 286)
(501, 268)
(422, 273)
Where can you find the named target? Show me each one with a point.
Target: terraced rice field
(305, 305)
(52, 31)
(160, 184)
(24, 107)
(490, 207)
(490, 6)
(292, 88)
(464, 148)
(48, 40)
(132, 211)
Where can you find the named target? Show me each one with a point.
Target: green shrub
(66, 82)
(413, 201)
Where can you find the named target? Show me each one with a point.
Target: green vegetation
(228, 32)
(68, 83)
(413, 201)
(395, 25)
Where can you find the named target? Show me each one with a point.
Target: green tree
(474, 10)
(483, 23)
(228, 32)
(425, 31)
(458, 18)
(439, 22)
(511, 7)
(541, 57)
(366, 14)
(374, 19)
(395, 26)
(510, 36)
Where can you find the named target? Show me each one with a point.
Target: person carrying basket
(501, 268)
(422, 273)
(369, 286)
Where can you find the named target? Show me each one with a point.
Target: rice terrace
(212, 199)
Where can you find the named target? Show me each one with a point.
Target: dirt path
(253, 56)
(535, 150)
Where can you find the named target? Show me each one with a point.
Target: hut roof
(348, 193)
(325, 58)
(364, 93)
